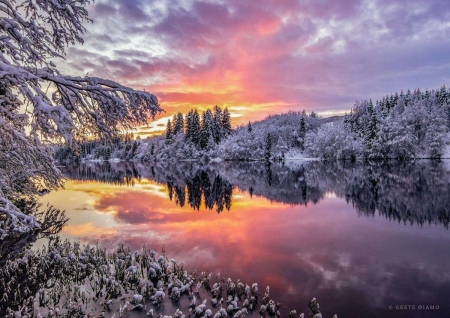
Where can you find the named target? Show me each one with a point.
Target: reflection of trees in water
(123, 173)
(414, 192)
(409, 192)
(215, 191)
(184, 182)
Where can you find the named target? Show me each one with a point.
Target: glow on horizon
(264, 57)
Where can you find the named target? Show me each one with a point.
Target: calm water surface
(360, 238)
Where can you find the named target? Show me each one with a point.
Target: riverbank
(67, 278)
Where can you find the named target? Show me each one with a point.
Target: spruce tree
(226, 123)
(189, 126)
(302, 125)
(196, 128)
(216, 127)
(302, 132)
(249, 127)
(371, 133)
(178, 124)
(206, 128)
(268, 151)
(169, 132)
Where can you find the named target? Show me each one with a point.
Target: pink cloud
(250, 53)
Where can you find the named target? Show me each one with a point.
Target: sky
(260, 57)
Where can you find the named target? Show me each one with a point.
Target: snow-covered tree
(226, 123)
(217, 125)
(169, 131)
(400, 126)
(193, 127)
(268, 150)
(33, 33)
(178, 123)
(208, 127)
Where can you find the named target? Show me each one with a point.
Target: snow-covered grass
(72, 280)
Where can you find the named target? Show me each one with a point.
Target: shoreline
(69, 278)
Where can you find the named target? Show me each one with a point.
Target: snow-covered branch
(32, 32)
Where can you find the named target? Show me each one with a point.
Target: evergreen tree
(193, 127)
(189, 125)
(207, 125)
(302, 126)
(196, 128)
(169, 131)
(178, 126)
(268, 150)
(216, 127)
(249, 127)
(370, 138)
(302, 131)
(226, 123)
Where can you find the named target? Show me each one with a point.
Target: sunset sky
(259, 57)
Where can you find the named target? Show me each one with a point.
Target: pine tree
(249, 127)
(178, 124)
(207, 126)
(371, 131)
(216, 127)
(169, 132)
(174, 123)
(226, 123)
(189, 125)
(268, 151)
(193, 127)
(302, 131)
(196, 128)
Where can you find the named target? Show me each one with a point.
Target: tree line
(205, 132)
(400, 126)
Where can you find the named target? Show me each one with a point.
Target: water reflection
(291, 226)
(408, 192)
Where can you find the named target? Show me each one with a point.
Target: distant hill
(331, 119)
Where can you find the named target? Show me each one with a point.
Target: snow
(410, 127)
(32, 118)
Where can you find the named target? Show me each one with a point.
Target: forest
(401, 126)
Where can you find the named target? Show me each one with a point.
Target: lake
(361, 238)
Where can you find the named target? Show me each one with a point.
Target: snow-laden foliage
(404, 126)
(71, 280)
(286, 131)
(332, 140)
(39, 105)
(208, 137)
